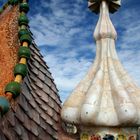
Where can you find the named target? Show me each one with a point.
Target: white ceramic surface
(107, 96)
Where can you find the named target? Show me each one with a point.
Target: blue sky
(63, 30)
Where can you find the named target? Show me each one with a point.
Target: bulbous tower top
(106, 96)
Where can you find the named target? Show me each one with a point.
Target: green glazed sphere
(24, 52)
(26, 38)
(14, 88)
(13, 2)
(23, 32)
(20, 69)
(24, 7)
(23, 20)
(4, 105)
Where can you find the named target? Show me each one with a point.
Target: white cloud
(129, 40)
(67, 71)
(65, 67)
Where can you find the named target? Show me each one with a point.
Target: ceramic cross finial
(94, 5)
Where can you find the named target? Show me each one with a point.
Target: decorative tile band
(12, 89)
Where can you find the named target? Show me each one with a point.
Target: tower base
(104, 133)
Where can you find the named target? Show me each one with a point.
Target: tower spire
(104, 28)
(106, 97)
